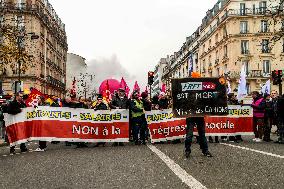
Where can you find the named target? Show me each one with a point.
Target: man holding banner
(14, 108)
(195, 98)
(200, 124)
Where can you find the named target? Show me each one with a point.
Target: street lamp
(21, 46)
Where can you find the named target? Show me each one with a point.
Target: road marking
(181, 173)
(253, 150)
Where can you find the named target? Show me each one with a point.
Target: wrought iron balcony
(265, 50)
(245, 51)
(252, 74)
(54, 82)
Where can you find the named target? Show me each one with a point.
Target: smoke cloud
(109, 68)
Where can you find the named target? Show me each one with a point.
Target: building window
(217, 55)
(246, 64)
(283, 46)
(216, 38)
(262, 7)
(248, 88)
(21, 4)
(265, 46)
(225, 51)
(253, 8)
(20, 22)
(242, 9)
(244, 46)
(1, 19)
(264, 26)
(244, 26)
(225, 32)
(266, 66)
(218, 72)
(225, 68)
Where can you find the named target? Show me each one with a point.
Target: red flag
(136, 87)
(32, 98)
(124, 86)
(106, 93)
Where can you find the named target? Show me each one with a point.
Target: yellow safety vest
(140, 106)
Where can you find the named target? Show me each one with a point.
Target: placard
(197, 97)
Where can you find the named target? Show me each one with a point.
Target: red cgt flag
(32, 98)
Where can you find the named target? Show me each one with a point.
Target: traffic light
(150, 78)
(277, 77)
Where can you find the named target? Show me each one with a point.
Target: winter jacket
(147, 104)
(163, 103)
(101, 106)
(269, 113)
(121, 103)
(136, 108)
(258, 106)
(15, 107)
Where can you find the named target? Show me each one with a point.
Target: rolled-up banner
(67, 124)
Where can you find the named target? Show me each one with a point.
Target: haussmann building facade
(234, 33)
(47, 69)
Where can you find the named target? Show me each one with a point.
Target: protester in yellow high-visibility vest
(137, 113)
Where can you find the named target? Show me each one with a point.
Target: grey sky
(137, 32)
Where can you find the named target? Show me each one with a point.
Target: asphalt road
(133, 166)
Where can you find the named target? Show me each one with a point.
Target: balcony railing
(245, 51)
(55, 82)
(250, 74)
(237, 12)
(265, 50)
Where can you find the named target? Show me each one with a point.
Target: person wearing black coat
(120, 101)
(268, 117)
(100, 106)
(14, 108)
(146, 102)
(163, 101)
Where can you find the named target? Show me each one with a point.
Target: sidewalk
(3, 143)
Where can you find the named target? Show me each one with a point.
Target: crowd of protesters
(267, 111)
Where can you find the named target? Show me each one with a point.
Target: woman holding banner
(258, 106)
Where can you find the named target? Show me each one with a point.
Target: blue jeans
(199, 122)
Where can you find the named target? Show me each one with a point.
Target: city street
(258, 165)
